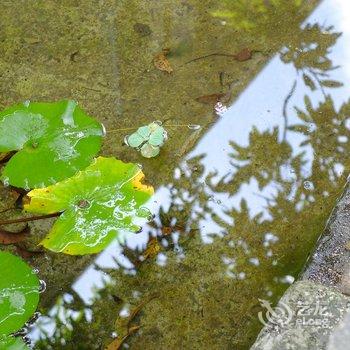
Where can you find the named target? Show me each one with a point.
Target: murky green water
(239, 203)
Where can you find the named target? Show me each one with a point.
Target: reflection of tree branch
(268, 200)
(318, 81)
(285, 105)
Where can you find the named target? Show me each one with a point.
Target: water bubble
(42, 286)
(6, 181)
(114, 335)
(241, 275)
(193, 126)
(254, 261)
(35, 271)
(311, 127)
(308, 185)
(26, 185)
(126, 140)
(26, 103)
(119, 215)
(104, 131)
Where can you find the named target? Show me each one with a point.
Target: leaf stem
(210, 55)
(31, 218)
(121, 129)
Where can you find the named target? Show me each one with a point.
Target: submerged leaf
(19, 293)
(125, 328)
(142, 29)
(210, 99)
(243, 55)
(117, 343)
(7, 237)
(153, 248)
(161, 62)
(26, 253)
(97, 203)
(54, 141)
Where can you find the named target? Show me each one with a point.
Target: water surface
(240, 201)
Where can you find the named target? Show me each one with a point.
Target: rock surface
(314, 313)
(340, 338)
(304, 318)
(330, 263)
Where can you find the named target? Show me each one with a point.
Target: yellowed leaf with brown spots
(127, 329)
(161, 62)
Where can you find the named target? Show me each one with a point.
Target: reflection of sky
(260, 105)
(341, 19)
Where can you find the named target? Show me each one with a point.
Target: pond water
(258, 116)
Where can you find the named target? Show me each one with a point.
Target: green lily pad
(19, 293)
(11, 343)
(148, 139)
(97, 203)
(53, 140)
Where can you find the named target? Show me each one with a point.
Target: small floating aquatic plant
(19, 297)
(53, 141)
(148, 139)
